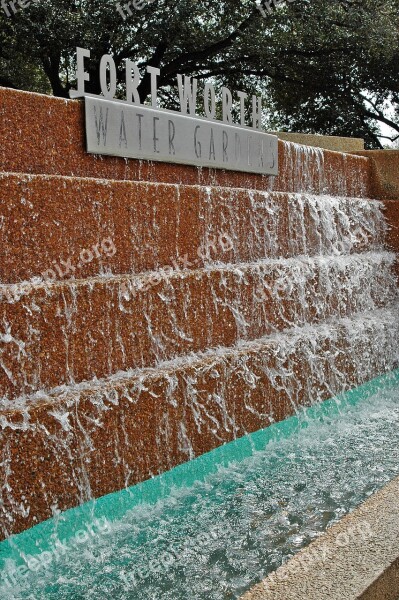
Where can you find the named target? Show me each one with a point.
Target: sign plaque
(117, 128)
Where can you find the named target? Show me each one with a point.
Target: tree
(348, 69)
(324, 67)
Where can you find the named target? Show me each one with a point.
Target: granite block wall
(150, 312)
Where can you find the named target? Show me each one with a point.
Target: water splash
(217, 538)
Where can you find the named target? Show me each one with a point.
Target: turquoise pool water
(212, 528)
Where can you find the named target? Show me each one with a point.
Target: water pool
(211, 529)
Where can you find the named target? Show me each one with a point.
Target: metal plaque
(117, 128)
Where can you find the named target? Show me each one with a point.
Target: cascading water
(293, 302)
(313, 271)
(216, 538)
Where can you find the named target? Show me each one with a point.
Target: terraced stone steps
(62, 448)
(50, 224)
(68, 332)
(151, 312)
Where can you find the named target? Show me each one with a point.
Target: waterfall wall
(152, 312)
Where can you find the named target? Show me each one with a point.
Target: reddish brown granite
(78, 446)
(392, 216)
(49, 219)
(39, 462)
(43, 134)
(71, 333)
(384, 167)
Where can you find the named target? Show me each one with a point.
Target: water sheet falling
(217, 537)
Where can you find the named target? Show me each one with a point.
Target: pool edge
(113, 506)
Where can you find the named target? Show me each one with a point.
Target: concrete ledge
(327, 142)
(356, 559)
(386, 587)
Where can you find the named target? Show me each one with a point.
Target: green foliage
(323, 67)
